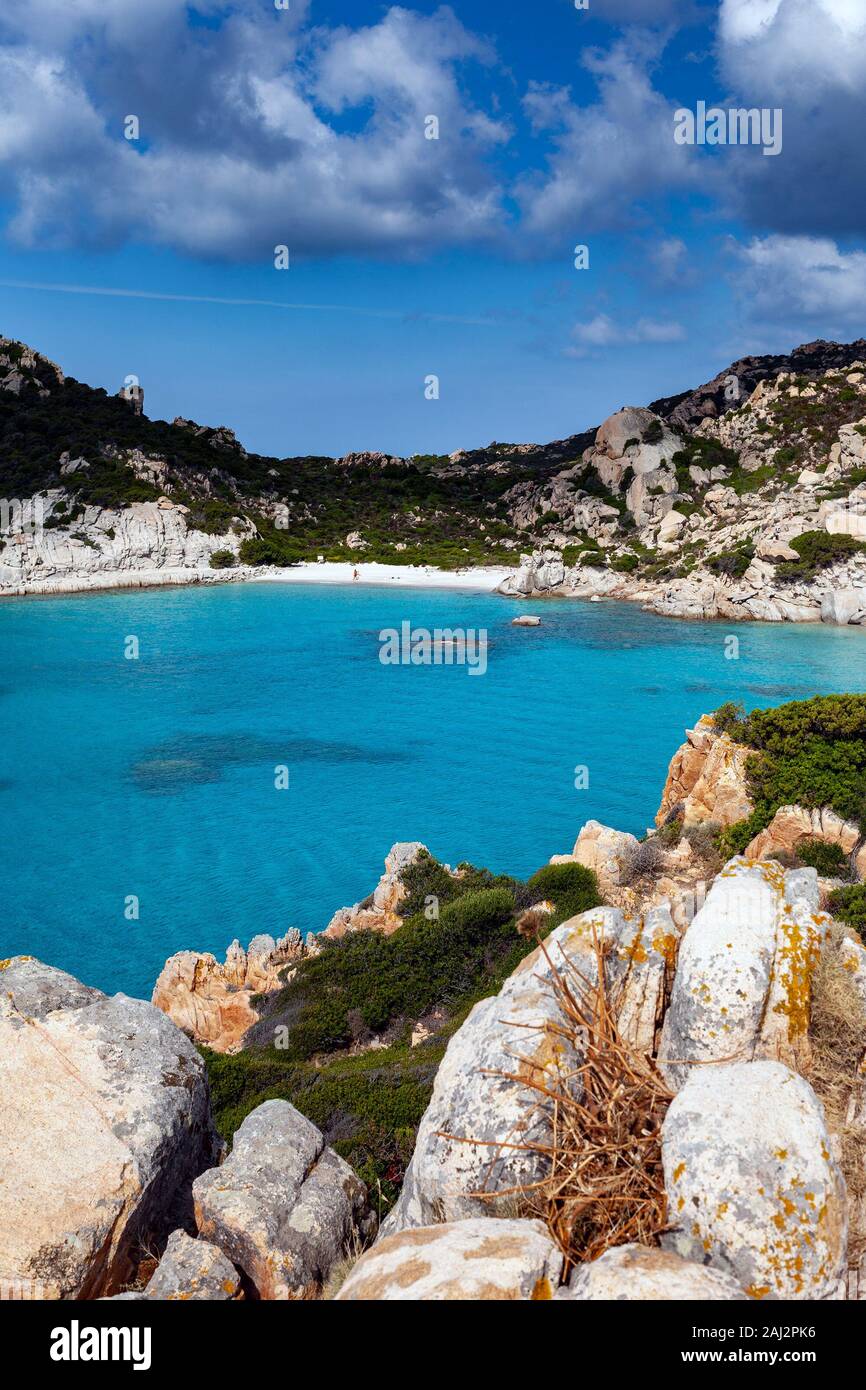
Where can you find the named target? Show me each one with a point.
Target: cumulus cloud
(776, 44)
(807, 279)
(669, 258)
(254, 131)
(259, 127)
(607, 158)
(603, 332)
(809, 58)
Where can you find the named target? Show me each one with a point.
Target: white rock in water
(637, 1273)
(474, 1259)
(526, 620)
(843, 606)
(752, 1182)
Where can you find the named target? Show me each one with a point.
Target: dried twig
(604, 1185)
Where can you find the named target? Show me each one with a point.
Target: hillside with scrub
(742, 499)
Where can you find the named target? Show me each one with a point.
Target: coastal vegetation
(810, 753)
(817, 550)
(344, 1020)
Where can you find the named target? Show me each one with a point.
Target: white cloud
(809, 58)
(779, 44)
(783, 277)
(254, 132)
(608, 157)
(602, 332)
(669, 257)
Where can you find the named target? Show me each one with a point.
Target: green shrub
(257, 551)
(817, 550)
(809, 753)
(732, 563)
(728, 718)
(670, 834)
(368, 1106)
(222, 559)
(734, 838)
(829, 859)
(785, 456)
(625, 564)
(423, 965)
(849, 906)
(571, 888)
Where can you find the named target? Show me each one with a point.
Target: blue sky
(409, 256)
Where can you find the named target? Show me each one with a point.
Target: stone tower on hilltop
(133, 392)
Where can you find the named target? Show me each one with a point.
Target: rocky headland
(637, 1075)
(742, 499)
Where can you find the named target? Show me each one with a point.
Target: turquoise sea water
(155, 777)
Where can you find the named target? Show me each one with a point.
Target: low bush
(644, 858)
(571, 888)
(809, 753)
(367, 1106)
(728, 718)
(817, 551)
(849, 906)
(829, 859)
(732, 564)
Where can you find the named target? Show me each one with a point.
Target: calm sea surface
(155, 777)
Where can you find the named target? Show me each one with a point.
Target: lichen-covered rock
(106, 1121)
(193, 1270)
(852, 957)
(752, 1182)
(473, 1259)
(483, 1111)
(638, 1273)
(283, 1207)
(742, 988)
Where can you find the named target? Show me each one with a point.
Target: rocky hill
(638, 1075)
(745, 498)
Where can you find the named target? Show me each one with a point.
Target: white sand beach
(400, 576)
(328, 572)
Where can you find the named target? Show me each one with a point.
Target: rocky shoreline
(742, 501)
(839, 598)
(711, 980)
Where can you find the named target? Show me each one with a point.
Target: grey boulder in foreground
(283, 1207)
(105, 1122)
(752, 1181)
